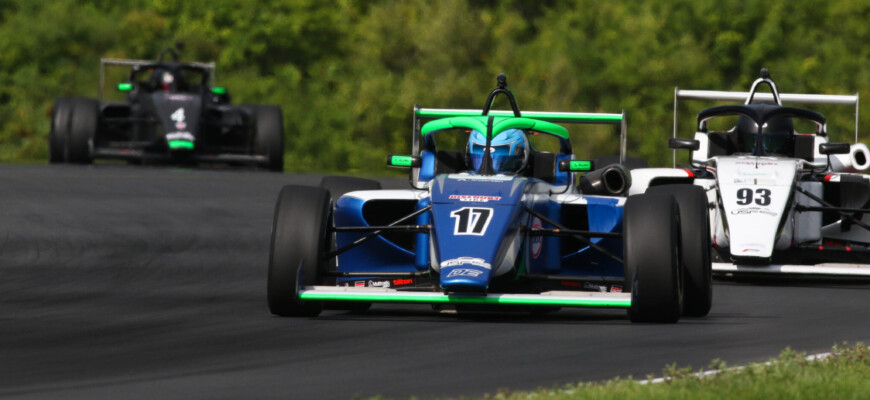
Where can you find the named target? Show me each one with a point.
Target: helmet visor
(503, 162)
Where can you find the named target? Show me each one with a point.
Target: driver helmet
(508, 151)
(166, 80)
(777, 135)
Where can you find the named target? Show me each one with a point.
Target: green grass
(842, 375)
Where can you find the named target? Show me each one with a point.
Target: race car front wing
(544, 299)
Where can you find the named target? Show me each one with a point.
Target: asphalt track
(124, 282)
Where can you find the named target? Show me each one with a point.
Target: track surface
(121, 282)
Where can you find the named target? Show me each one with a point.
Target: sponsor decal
(594, 287)
(379, 283)
(181, 97)
(478, 262)
(616, 289)
(753, 210)
(480, 178)
(754, 163)
(473, 197)
(187, 136)
(474, 273)
(401, 281)
(537, 241)
(359, 284)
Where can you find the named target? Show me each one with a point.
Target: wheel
(651, 254)
(337, 187)
(630, 162)
(60, 118)
(83, 125)
(694, 246)
(299, 237)
(269, 135)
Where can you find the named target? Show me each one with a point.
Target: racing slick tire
(83, 125)
(299, 238)
(337, 187)
(269, 135)
(651, 229)
(60, 116)
(74, 123)
(694, 246)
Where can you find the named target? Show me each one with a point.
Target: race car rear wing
(714, 95)
(425, 114)
(209, 66)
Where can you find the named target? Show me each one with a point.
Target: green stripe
(547, 116)
(180, 144)
(446, 299)
(500, 124)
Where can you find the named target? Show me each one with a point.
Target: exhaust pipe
(857, 160)
(612, 180)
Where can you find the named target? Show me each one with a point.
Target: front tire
(84, 122)
(695, 247)
(60, 125)
(652, 258)
(269, 135)
(74, 124)
(299, 237)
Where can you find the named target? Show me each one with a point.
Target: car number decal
(744, 197)
(471, 220)
(178, 117)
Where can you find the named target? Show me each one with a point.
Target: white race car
(781, 202)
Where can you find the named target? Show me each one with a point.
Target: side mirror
(835, 148)
(403, 161)
(575, 166)
(683, 144)
(125, 87)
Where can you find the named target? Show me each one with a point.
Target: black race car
(173, 113)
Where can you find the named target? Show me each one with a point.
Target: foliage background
(347, 72)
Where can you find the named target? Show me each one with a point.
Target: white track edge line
(704, 374)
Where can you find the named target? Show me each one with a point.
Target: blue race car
(502, 220)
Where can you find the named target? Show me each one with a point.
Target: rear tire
(337, 187)
(652, 258)
(694, 246)
(269, 135)
(299, 237)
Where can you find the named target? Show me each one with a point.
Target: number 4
(178, 115)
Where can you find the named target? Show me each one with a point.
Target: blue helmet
(508, 151)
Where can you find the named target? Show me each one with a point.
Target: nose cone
(465, 274)
(475, 219)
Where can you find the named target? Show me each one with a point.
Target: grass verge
(841, 375)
